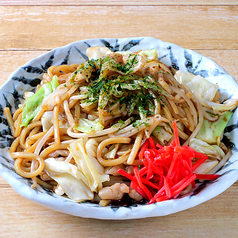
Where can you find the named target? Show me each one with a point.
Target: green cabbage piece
(70, 179)
(47, 121)
(162, 134)
(32, 104)
(88, 165)
(203, 147)
(213, 151)
(99, 52)
(198, 84)
(149, 55)
(112, 154)
(88, 126)
(211, 132)
(229, 104)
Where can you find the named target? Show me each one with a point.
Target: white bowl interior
(27, 76)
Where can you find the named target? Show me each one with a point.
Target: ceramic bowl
(28, 76)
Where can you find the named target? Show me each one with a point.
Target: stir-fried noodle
(86, 121)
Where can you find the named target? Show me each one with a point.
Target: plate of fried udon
(119, 129)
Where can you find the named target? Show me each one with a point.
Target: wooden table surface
(30, 28)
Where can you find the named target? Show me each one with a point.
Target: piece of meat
(135, 195)
(114, 192)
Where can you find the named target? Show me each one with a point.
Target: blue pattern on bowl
(28, 76)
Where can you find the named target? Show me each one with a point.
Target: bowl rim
(90, 210)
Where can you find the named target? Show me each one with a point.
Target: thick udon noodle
(125, 128)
